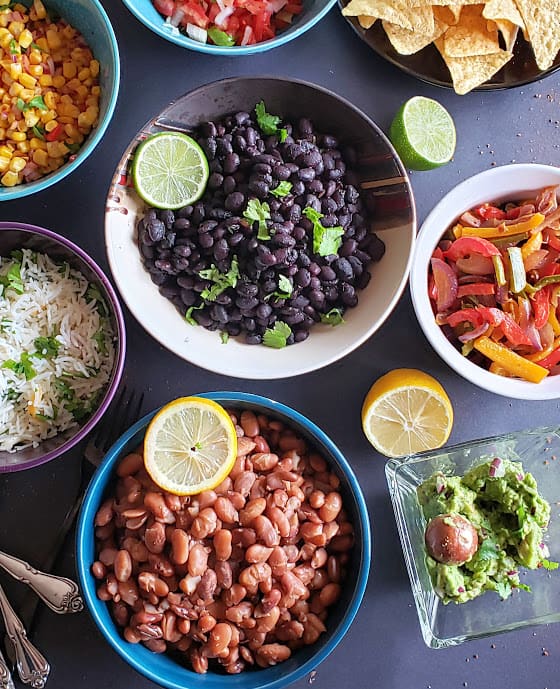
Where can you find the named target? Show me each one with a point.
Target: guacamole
(501, 501)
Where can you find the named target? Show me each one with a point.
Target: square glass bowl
(451, 624)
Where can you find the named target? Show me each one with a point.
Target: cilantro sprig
(285, 289)
(269, 123)
(23, 367)
(47, 347)
(326, 240)
(332, 317)
(283, 189)
(12, 279)
(277, 336)
(221, 280)
(259, 212)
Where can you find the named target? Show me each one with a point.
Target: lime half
(169, 170)
(423, 134)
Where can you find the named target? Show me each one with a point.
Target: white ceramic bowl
(382, 177)
(509, 182)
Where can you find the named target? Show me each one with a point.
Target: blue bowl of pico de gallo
(229, 27)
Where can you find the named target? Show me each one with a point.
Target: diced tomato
(541, 305)
(475, 288)
(166, 7)
(193, 14)
(488, 212)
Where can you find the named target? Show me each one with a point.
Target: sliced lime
(169, 170)
(423, 134)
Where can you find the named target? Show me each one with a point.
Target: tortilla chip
(365, 21)
(471, 36)
(503, 9)
(469, 72)
(407, 42)
(449, 14)
(509, 32)
(394, 11)
(542, 21)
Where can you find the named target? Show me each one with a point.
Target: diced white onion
(277, 5)
(247, 34)
(223, 16)
(177, 17)
(196, 33)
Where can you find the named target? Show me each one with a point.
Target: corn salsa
(49, 92)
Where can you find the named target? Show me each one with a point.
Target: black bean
(306, 174)
(206, 240)
(235, 201)
(253, 339)
(242, 118)
(343, 268)
(316, 186)
(146, 251)
(188, 297)
(231, 163)
(264, 311)
(157, 277)
(168, 241)
(301, 335)
(327, 274)
(209, 147)
(305, 126)
(156, 230)
(221, 250)
(281, 172)
(259, 188)
(219, 313)
(198, 213)
(262, 168)
(311, 158)
(357, 266)
(349, 296)
(215, 180)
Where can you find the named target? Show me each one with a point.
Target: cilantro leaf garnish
(269, 123)
(285, 289)
(12, 279)
(259, 212)
(326, 240)
(550, 565)
(37, 102)
(93, 294)
(277, 336)
(189, 317)
(488, 550)
(99, 339)
(220, 37)
(23, 367)
(221, 280)
(503, 589)
(224, 337)
(283, 189)
(332, 317)
(47, 347)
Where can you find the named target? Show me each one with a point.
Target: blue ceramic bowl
(161, 668)
(89, 17)
(144, 10)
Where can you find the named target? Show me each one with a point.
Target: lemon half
(190, 446)
(406, 411)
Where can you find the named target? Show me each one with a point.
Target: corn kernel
(15, 28)
(40, 158)
(50, 99)
(53, 124)
(35, 57)
(66, 120)
(6, 151)
(25, 38)
(45, 80)
(9, 179)
(94, 68)
(71, 131)
(23, 147)
(15, 70)
(17, 164)
(48, 116)
(16, 89)
(96, 91)
(42, 43)
(31, 118)
(69, 69)
(84, 74)
(58, 81)
(27, 80)
(17, 136)
(37, 144)
(4, 162)
(68, 110)
(39, 9)
(53, 39)
(35, 70)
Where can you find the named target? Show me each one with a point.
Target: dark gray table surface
(383, 648)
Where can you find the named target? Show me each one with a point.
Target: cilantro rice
(56, 349)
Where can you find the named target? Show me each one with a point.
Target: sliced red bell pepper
(472, 316)
(55, 133)
(541, 305)
(493, 316)
(551, 360)
(552, 240)
(476, 288)
(489, 212)
(465, 246)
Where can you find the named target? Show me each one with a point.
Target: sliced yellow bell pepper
(458, 231)
(533, 244)
(510, 361)
(553, 320)
(503, 230)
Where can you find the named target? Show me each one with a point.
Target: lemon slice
(406, 411)
(190, 446)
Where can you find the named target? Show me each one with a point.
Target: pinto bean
(265, 531)
(249, 423)
(222, 544)
(123, 565)
(331, 508)
(105, 513)
(224, 574)
(179, 546)
(272, 654)
(99, 570)
(244, 446)
(130, 464)
(264, 461)
(154, 537)
(257, 553)
(225, 510)
(279, 520)
(252, 510)
(198, 560)
(205, 524)
(155, 502)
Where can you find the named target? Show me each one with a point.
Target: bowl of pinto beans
(485, 280)
(251, 584)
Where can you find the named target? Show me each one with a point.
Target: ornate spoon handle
(6, 681)
(59, 593)
(32, 666)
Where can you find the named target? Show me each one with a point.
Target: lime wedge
(423, 134)
(169, 170)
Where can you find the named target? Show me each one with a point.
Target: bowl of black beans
(297, 251)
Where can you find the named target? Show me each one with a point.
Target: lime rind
(170, 170)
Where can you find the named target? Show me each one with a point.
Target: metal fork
(122, 413)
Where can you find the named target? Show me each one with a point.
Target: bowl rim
(233, 51)
(93, 139)
(279, 370)
(92, 500)
(511, 180)
(120, 355)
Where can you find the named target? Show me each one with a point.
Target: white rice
(65, 380)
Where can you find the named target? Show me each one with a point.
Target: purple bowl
(14, 235)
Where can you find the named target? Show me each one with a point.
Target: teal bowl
(162, 669)
(91, 20)
(313, 11)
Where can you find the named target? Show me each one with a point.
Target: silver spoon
(32, 666)
(59, 593)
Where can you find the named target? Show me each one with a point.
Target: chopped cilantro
(258, 211)
(37, 102)
(503, 589)
(220, 37)
(23, 367)
(326, 240)
(224, 337)
(523, 587)
(73, 148)
(93, 294)
(20, 104)
(550, 565)
(277, 336)
(39, 132)
(47, 347)
(285, 289)
(5, 323)
(488, 550)
(332, 317)
(221, 280)
(11, 395)
(283, 189)
(99, 339)
(269, 123)
(14, 47)
(189, 317)
(78, 407)
(12, 279)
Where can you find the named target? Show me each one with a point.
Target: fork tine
(104, 427)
